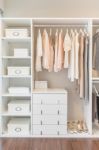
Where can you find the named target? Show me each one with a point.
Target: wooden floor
(49, 144)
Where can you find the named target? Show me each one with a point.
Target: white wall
(52, 8)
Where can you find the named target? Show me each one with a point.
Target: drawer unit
(49, 120)
(19, 126)
(49, 130)
(19, 107)
(21, 52)
(49, 114)
(49, 109)
(50, 99)
(21, 71)
(16, 33)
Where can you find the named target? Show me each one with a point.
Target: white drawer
(19, 126)
(50, 98)
(49, 130)
(19, 106)
(21, 71)
(16, 33)
(49, 120)
(49, 109)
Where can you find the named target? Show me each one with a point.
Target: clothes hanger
(86, 33)
(82, 32)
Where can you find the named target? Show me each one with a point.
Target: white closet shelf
(13, 57)
(6, 76)
(96, 79)
(19, 115)
(16, 95)
(49, 90)
(27, 39)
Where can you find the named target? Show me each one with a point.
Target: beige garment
(67, 48)
(81, 66)
(71, 67)
(46, 50)
(76, 53)
(56, 52)
(39, 52)
(51, 52)
(60, 51)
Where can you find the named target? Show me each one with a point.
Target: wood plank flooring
(49, 144)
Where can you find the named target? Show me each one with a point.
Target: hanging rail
(61, 25)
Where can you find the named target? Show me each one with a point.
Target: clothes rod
(50, 25)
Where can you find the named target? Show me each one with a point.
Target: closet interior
(44, 77)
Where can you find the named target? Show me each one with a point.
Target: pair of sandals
(77, 127)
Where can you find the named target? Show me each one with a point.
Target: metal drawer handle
(18, 108)
(16, 33)
(41, 132)
(41, 112)
(41, 122)
(58, 112)
(18, 129)
(41, 102)
(18, 71)
(58, 122)
(58, 133)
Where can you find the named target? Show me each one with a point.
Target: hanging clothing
(81, 66)
(95, 63)
(39, 52)
(46, 50)
(71, 68)
(60, 51)
(86, 68)
(67, 48)
(76, 55)
(56, 52)
(51, 52)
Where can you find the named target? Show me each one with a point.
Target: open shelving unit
(76, 109)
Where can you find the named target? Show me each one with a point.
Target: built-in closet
(53, 107)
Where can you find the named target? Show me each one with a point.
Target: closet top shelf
(50, 90)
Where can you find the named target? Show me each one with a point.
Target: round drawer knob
(18, 71)
(18, 129)
(18, 108)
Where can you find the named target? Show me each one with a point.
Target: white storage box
(21, 52)
(21, 71)
(16, 33)
(19, 107)
(18, 90)
(41, 84)
(19, 126)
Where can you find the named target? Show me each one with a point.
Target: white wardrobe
(41, 112)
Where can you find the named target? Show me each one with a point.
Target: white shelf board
(7, 76)
(16, 95)
(96, 79)
(13, 57)
(49, 90)
(27, 39)
(13, 114)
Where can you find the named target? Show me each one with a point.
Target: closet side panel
(88, 105)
